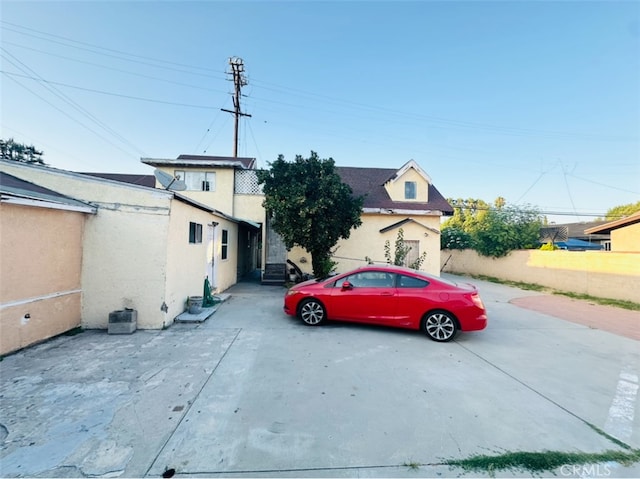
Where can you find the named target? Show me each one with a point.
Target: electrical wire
(102, 92)
(70, 117)
(23, 67)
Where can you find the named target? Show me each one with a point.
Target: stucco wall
(368, 241)
(187, 262)
(41, 259)
(221, 198)
(604, 274)
(626, 238)
(125, 264)
(249, 207)
(396, 188)
(125, 247)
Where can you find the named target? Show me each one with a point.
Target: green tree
(618, 212)
(506, 229)
(11, 150)
(453, 237)
(310, 206)
(490, 230)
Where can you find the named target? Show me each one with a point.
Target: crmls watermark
(586, 470)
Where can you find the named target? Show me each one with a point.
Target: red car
(390, 296)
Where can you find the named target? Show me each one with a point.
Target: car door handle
(386, 293)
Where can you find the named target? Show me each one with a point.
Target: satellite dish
(169, 182)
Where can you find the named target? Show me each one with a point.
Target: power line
(93, 48)
(69, 116)
(446, 122)
(23, 67)
(102, 92)
(119, 70)
(530, 210)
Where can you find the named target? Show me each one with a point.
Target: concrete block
(123, 321)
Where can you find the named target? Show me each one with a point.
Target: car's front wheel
(312, 312)
(440, 326)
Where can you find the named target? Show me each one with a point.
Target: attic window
(410, 190)
(197, 180)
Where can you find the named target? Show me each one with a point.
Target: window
(410, 190)
(225, 244)
(197, 180)
(411, 282)
(195, 232)
(370, 279)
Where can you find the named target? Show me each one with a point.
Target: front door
(211, 255)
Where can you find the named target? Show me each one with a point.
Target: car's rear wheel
(312, 312)
(440, 326)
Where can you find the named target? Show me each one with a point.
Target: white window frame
(410, 195)
(197, 180)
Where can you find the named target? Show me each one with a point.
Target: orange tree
(310, 206)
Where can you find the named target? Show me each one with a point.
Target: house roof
(203, 161)
(403, 222)
(369, 182)
(559, 232)
(142, 180)
(18, 191)
(614, 225)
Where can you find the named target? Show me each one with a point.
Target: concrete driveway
(254, 393)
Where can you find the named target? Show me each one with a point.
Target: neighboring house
(144, 248)
(625, 233)
(41, 251)
(572, 236)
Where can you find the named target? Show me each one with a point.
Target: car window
(411, 282)
(370, 279)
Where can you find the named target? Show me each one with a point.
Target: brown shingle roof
(369, 182)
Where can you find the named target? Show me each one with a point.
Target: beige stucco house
(41, 251)
(228, 185)
(393, 198)
(625, 233)
(144, 248)
(133, 243)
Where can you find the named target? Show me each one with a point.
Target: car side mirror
(346, 286)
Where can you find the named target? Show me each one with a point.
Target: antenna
(169, 182)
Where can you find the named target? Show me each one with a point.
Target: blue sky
(538, 102)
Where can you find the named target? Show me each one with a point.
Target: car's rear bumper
(476, 324)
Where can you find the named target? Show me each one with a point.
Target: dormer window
(410, 190)
(197, 180)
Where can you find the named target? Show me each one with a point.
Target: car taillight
(477, 301)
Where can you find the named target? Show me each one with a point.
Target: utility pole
(239, 80)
